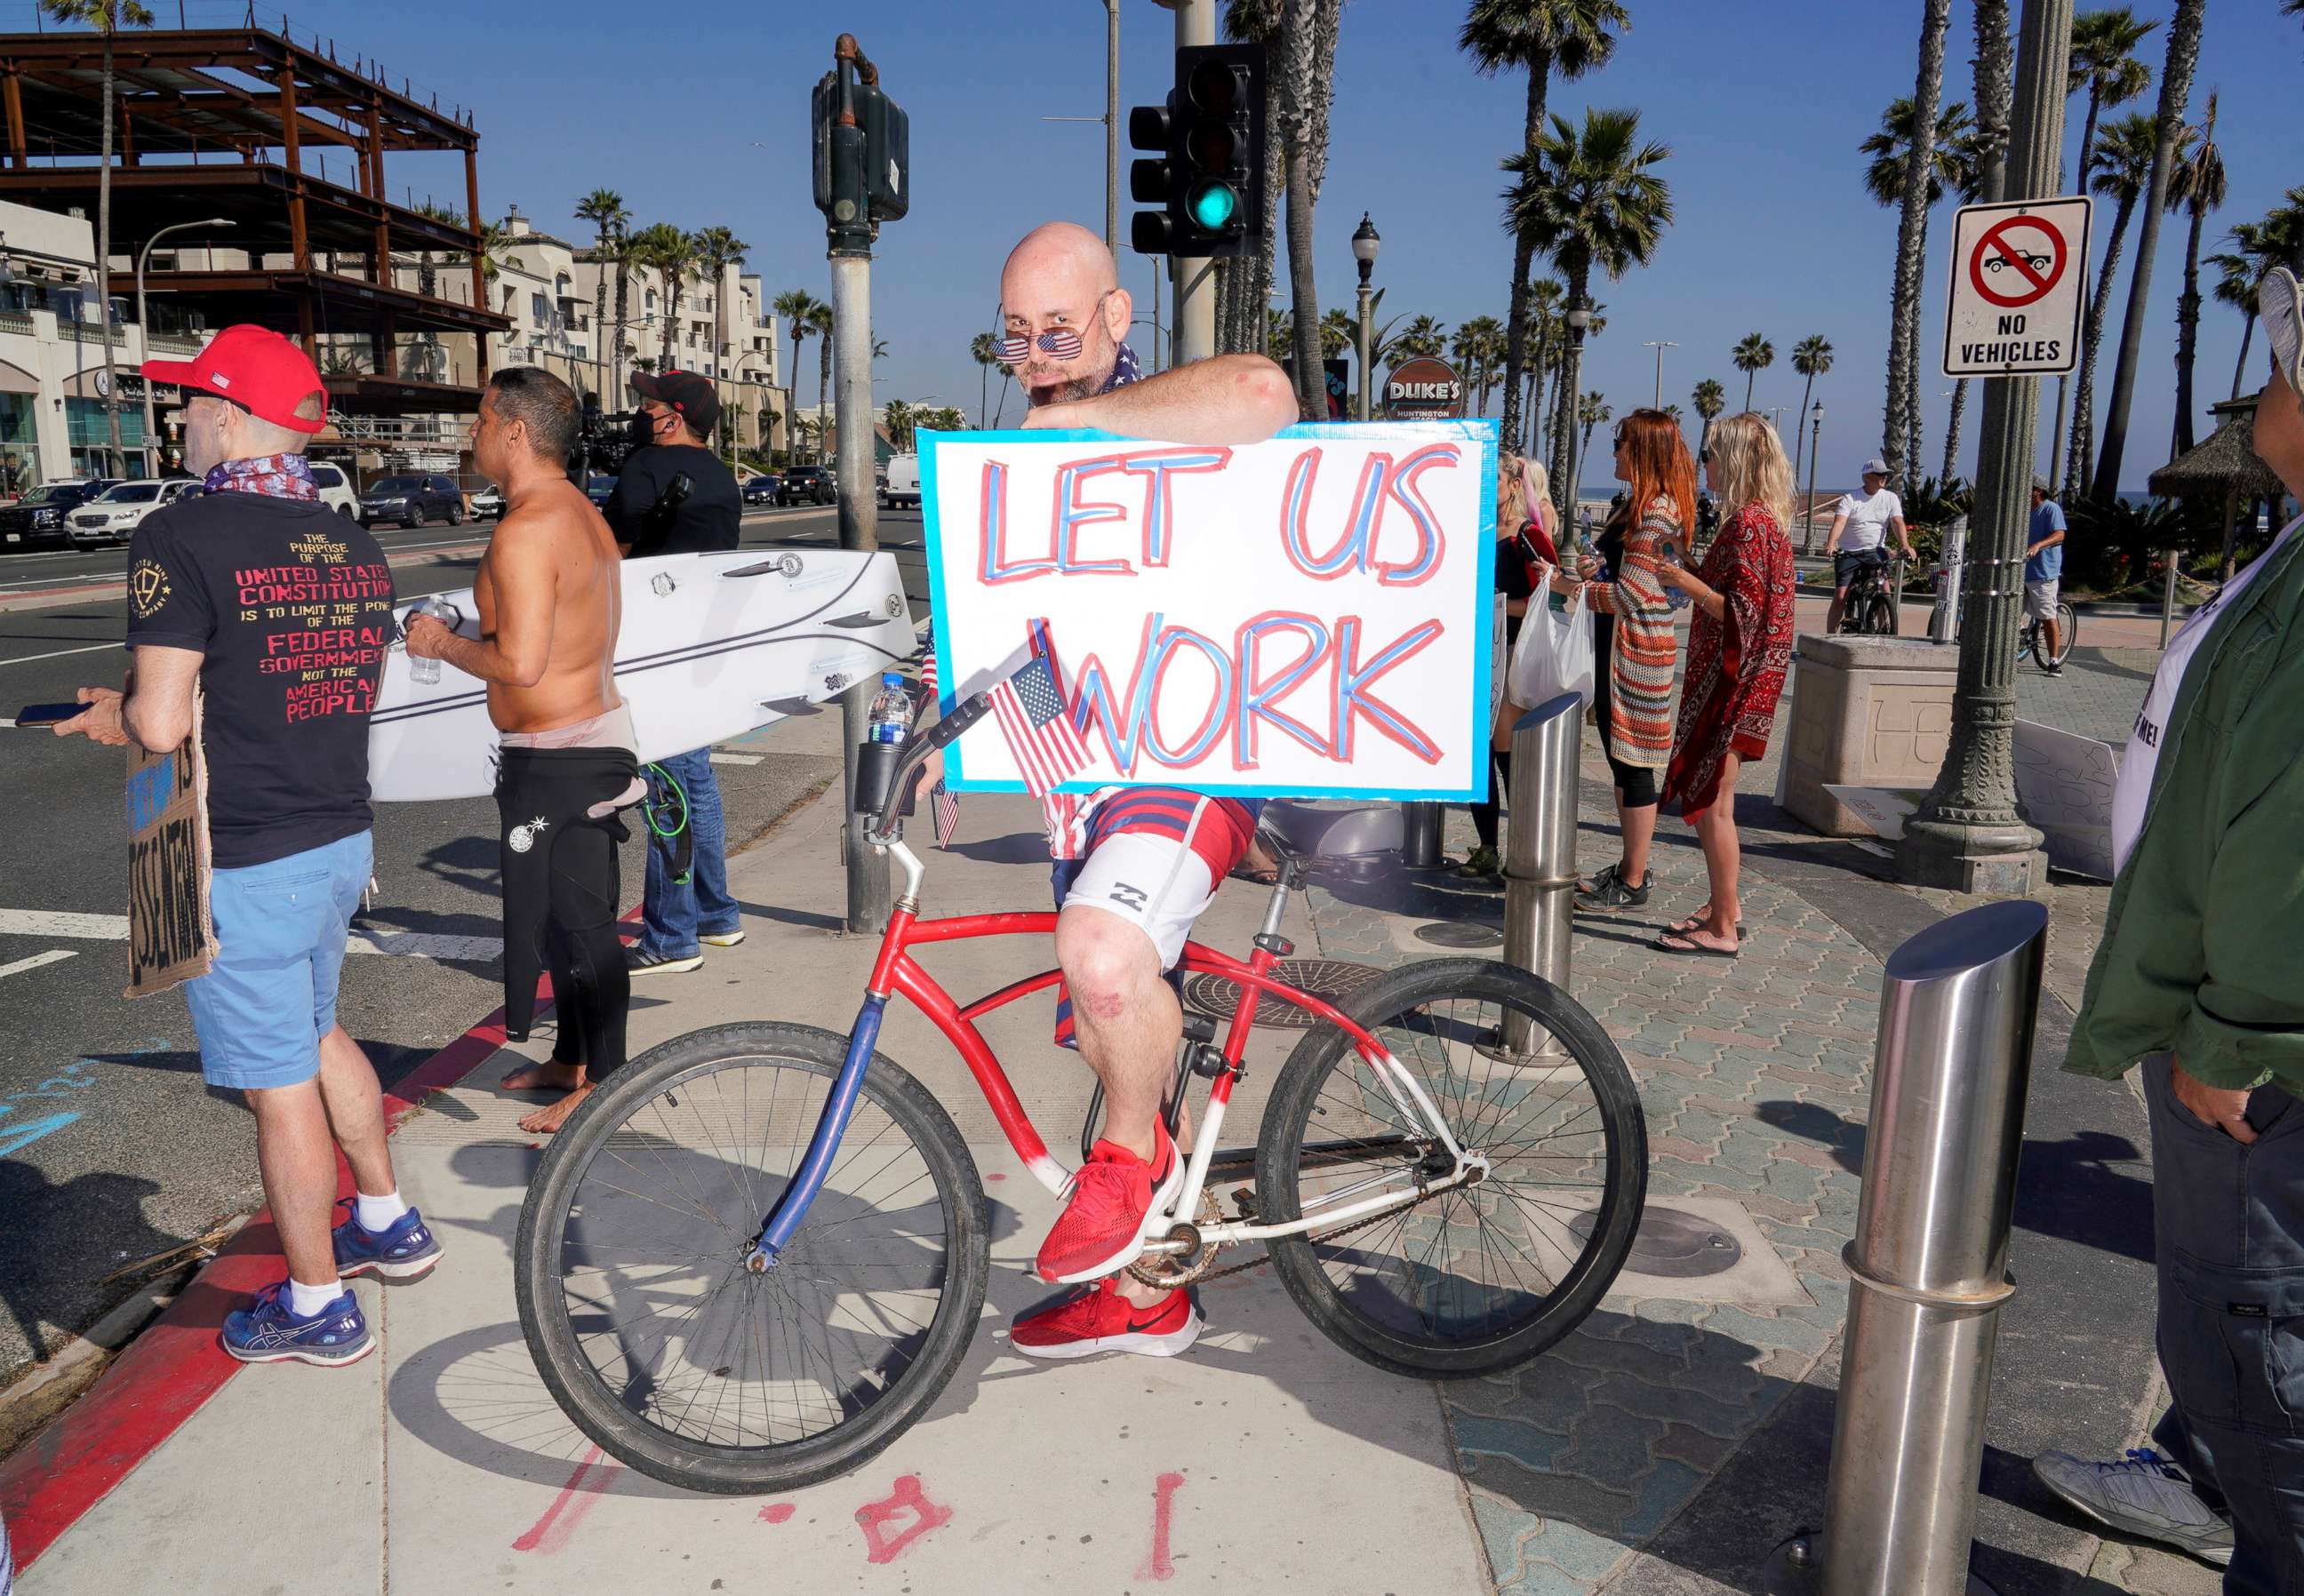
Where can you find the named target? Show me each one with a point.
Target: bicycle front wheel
(629, 1264)
(1879, 616)
(1474, 1277)
(2068, 630)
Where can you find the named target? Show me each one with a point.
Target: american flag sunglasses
(1011, 348)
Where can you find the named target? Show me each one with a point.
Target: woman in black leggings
(1524, 547)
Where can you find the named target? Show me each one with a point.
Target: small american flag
(943, 805)
(1040, 735)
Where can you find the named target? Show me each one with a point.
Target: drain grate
(1460, 933)
(1329, 979)
(1674, 1244)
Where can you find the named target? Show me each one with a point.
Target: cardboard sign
(171, 938)
(2018, 287)
(1307, 617)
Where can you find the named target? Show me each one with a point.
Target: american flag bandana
(1039, 733)
(274, 476)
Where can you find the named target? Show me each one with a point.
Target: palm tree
(2173, 133)
(1589, 198)
(2104, 63)
(1304, 75)
(1540, 38)
(797, 306)
(819, 322)
(2257, 247)
(2198, 184)
(1672, 411)
(900, 418)
(107, 17)
(604, 208)
(671, 253)
(1591, 411)
(1257, 22)
(2122, 162)
(1811, 358)
(1544, 330)
(984, 349)
(1488, 347)
(716, 249)
(1339, 331)
(1900, 155)
(1710, 399)
(1424, 338)
(1753, 356)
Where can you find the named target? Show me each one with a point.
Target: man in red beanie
(280, 612)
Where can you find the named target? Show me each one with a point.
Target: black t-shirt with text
(708, 518)
(290, 603)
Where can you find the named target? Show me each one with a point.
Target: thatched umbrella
(2224, 467)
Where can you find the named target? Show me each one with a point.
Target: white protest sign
(1308, 616)
(2019, 285)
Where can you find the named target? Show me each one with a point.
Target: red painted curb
(176, 1365)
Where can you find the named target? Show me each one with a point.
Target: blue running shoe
(403, 1253)
(266, 1332)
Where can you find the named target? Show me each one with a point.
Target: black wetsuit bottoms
(560, 890)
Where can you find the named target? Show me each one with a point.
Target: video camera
(604, 444)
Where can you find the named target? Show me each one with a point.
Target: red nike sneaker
(1100, 1319)
(1102, 1225)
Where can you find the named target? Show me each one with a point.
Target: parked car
(763, 489)
(112, 516)
(598, 489)
(809, 484)
(335, 489)
(36, 521)
(411, 500)
(901, 489)
(488, 502)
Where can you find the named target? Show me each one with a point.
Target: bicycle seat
(1302, 830)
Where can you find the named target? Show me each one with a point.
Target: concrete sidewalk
(1664, 1447)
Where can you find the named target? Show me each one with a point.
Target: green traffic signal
(1213, 206)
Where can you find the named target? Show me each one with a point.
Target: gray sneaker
(2142, 1495)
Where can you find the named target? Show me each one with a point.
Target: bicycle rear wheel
(1480, 1277)
(1879, 616)
(663, 1348)
(2068, 630)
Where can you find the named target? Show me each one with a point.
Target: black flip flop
(1694, 949)
(1691, 922)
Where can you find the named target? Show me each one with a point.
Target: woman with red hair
(1635, 641)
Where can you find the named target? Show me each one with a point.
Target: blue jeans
(672, 915)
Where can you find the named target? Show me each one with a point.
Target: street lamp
(1364, 247)
(144, 325)
(1659, 345)
(1814, 437)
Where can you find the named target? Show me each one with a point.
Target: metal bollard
(1540, 847)
(1943, 619)
(1420, 836)
(1929, 1261)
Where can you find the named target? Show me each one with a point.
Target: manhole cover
(1677, 1246)
(1460, 933)
(1329, 979)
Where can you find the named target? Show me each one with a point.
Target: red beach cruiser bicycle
(757, 1253)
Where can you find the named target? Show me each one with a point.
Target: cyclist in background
(2044, 575)
(1861, 527)
(1135, 867)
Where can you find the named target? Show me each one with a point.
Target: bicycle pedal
(1243, 1198)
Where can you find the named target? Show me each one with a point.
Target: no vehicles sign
(2019, 285)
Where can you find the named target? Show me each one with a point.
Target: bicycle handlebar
(935, 740)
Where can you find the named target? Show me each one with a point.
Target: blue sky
(1763, 105)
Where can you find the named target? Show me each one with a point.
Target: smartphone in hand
(47, 714)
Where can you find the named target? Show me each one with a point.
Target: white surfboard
(712, 645)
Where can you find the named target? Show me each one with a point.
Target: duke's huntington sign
(1423, 390)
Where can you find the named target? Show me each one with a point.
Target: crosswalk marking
(53, 956)
(364, 938)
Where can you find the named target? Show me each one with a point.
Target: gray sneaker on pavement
(2142, 1495)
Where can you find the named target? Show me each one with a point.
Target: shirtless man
(550, 604)
(1064, 317)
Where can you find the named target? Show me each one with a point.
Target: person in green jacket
(2200, 977)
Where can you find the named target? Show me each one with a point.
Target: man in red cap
(279, 611)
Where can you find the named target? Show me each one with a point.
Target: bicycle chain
(1382, 1213)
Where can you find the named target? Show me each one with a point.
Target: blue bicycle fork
(777, 1229)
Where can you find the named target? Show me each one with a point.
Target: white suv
(112, 515)
(336, 490)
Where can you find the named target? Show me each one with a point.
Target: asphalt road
(112, 1148)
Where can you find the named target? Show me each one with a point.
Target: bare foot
(551, 1075)
(553, 1116)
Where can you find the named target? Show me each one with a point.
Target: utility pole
(1659, 345)
(862, 155)
(1195, 314)
(1968, 835)
(1112, 127)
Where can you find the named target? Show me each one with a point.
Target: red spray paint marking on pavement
(1164, 1507)
(776, 1512)
(873, 1517)
(551, 1533)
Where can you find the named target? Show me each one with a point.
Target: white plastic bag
(1553, 655)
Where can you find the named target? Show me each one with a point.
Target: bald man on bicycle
(1135, 867)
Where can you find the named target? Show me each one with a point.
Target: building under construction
(287, 141)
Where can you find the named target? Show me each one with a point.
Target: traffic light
(1209, 176)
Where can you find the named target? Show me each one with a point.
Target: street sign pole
(1968, 835)
(1194, 319)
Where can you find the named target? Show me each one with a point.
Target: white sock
(304, 1301)
(377, 1214)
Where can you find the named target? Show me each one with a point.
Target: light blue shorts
(261, 1011)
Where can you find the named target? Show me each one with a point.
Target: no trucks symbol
(2017, 262)
(2018, 286)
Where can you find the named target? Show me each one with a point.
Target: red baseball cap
(255, 367)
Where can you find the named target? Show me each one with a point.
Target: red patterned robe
(1736, 665)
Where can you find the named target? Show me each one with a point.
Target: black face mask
(642, 430)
